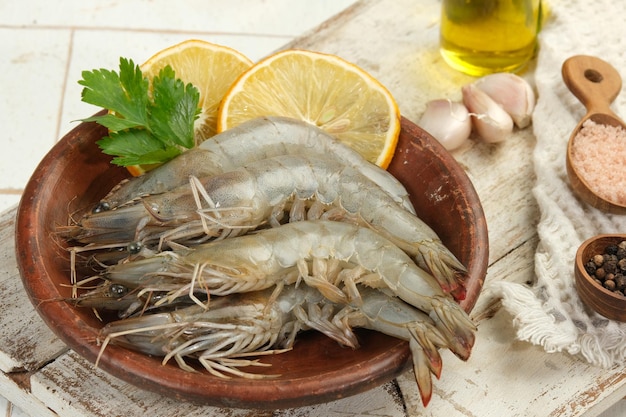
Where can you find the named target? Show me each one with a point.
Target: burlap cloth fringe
(550, 313)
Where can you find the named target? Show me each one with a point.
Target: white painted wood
(14, 388)
(67, 386)
(618, 410)
(396, 41)
(514, 379)
(26, 341)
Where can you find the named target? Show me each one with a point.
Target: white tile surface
(32, 84)
(266, 17)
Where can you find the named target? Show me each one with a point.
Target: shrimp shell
(235, 327)
(256, 323)
(249, 197)
(260, 260)
(253, 140)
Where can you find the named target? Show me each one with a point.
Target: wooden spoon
(596, 84)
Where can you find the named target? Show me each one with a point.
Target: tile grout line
(146, 30)
(70, 52)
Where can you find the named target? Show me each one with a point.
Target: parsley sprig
(149, 123)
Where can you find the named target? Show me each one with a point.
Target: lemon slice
(324, 90)
(210, 68)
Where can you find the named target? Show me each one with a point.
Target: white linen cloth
(550, 312)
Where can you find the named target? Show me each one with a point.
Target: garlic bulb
(491, 122)
(447, 121)
(512, 92)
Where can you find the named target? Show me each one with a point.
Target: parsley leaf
(125, 94)
(149, 123)
(175, 107)
(136, 147)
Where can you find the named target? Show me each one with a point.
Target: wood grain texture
(27, 342)
(67, 386)
(396, 41)
(509, 378)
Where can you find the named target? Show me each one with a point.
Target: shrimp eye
(135, 247)
(117, 290)
(100, 207)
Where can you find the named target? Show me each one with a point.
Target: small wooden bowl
(76, 174)
(594, 295)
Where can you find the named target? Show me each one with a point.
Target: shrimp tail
(425, 338)
(422, 372)
(459, 327)
(449, 272)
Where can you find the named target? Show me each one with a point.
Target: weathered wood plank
(15, 388)
(67, 386)
(508, 378)
(25, 341)
(517, 266)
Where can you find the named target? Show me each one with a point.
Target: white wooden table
(395, 40)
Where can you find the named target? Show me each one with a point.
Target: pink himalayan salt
(599, 154)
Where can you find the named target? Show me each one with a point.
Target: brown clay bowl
(76, 174)
(593, 294)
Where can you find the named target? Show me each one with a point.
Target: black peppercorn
(620, 282)
(598, 260)
(591, 267)
(610, 266)
(609, 284)
(609, 258)
(611, 250)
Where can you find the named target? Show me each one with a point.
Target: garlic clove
(513, 93)
(447, 121)
(491, 122)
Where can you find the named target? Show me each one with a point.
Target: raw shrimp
(251, 141)
(283, 255)
(250, 324)
(393, 317)
(235, 327)
(247, 198)
(126, 301)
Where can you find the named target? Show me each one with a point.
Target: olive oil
(479, 37)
